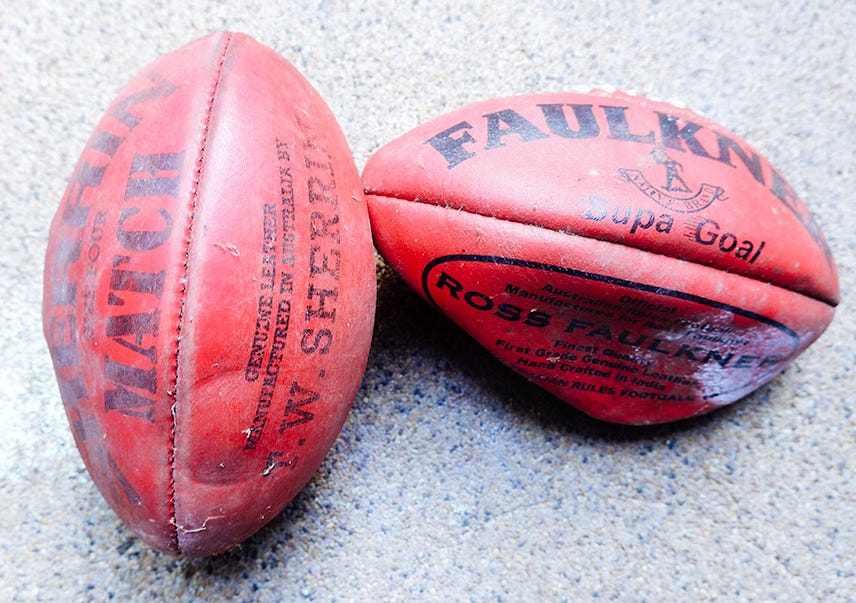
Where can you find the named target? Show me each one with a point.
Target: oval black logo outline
(636, 286)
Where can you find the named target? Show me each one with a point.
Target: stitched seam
(602, 240)
(194, 201)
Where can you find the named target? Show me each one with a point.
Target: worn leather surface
(630, 256)
(209, 293)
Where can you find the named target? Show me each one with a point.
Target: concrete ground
(454, 479)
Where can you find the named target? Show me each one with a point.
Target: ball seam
(194, 202)
(431, 203)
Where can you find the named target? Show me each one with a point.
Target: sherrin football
(209, 293)
(631, 257)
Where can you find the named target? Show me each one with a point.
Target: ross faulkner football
(631, 257)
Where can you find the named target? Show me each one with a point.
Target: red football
(209, 293)
(631, 257)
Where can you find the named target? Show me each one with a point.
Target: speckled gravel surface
(454, 479)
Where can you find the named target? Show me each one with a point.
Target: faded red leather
(631, 257)
(209, 293)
